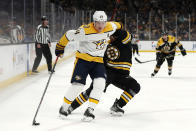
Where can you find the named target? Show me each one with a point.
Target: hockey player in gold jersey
(117, 61)
(165, 50)
(89, 60)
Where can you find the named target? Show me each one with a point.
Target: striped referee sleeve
(37, 34)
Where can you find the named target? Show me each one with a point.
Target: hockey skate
(35, 72)
(88, 115)
(169, 72)
(64, 113)
(115, 110)
(153, 74)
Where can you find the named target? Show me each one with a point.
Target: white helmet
(99, 16)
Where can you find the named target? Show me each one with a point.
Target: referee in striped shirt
(42, 45)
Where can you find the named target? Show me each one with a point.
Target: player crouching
(165, 50)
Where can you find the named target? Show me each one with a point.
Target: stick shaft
(45, 91)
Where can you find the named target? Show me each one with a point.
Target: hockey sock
(124, 99)
(97, 91)
(71, 93)
(169, 68)
(156, 70)
(78, 101)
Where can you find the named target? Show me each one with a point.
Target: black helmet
(164, 33)
(44, 18)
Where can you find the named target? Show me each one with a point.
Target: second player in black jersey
(165, 50)
(117, 61)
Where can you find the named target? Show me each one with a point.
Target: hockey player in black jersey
(165, 50)
(117, 61)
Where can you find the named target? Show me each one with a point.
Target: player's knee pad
(132, 86)
(73, 91)
(137, 88)
(99, 83)
(95, 95)
(134, 89)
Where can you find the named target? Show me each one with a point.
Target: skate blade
(87, 119)
(118, 114)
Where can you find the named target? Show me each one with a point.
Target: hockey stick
(34, 121)
(141, 62)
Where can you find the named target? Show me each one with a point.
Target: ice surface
(165, 103)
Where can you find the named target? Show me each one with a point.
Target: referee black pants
(135, 49)
(45, 50)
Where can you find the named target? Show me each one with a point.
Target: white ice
(165, 103)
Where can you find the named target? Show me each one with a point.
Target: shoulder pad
(75, 34)
(88, 29)
(160, 42)
(171, 38)
(86, 26)
(128, 37)
(70, 34)
(118, 25)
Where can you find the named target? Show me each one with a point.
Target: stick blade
(35, 123)
(138, 60)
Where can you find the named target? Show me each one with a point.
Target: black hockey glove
(183, 52)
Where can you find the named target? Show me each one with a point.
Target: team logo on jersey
(100, 44)
(78, 78)
(166, 48)
(113, 53)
